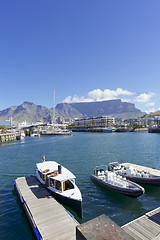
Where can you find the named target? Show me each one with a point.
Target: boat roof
(53, 167)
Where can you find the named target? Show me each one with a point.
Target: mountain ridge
(31, 112)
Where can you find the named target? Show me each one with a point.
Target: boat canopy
(48, 167)
(63, 177)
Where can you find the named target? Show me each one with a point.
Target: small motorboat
(108, 129)
(20, 135)
(136, 173)
(115, 182)
(35, 134)
(61, 182)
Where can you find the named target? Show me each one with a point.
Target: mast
(53, 117)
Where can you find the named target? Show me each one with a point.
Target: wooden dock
(48, 219)
(146, 227)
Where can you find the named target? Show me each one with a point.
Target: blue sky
(87, 50)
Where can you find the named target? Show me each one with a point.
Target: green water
(79, 153)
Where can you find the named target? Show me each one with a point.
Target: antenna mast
(53, 119)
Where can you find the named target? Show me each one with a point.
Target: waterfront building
(101, 122)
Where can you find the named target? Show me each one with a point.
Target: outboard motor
(59, 169)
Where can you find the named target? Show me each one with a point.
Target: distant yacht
(108, 129)
(35, 134)
(55, 129)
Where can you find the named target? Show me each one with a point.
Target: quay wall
(98, 129)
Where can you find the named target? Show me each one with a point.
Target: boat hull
(74, 204)
(126, 191)
(148, 181)
(153, 179)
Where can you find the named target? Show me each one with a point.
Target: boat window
(67, 185)
(58, 185)
(51, 182)
(42, 176)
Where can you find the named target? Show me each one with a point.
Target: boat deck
(49, 219)
(151, 170)
(146, 227)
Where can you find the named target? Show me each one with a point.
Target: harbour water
(79, 153)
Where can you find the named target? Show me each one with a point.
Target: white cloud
(150, 104)
(126, 100)
(68, 99)
(150, 110)
(75, 98)
(107, 94)
(120, 91)
(144, 97)
(99, 95)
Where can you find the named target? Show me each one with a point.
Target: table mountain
(115, 108)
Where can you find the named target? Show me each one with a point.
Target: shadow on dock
(38, 189)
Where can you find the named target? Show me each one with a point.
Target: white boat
(62, 132)
(35, 134)
(116, 182)
(136, 173)
(61, 182)
(20, 135)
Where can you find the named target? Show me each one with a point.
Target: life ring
(54, 174)
(46, 170)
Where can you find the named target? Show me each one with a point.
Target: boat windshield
(67, 185)
(115, 164)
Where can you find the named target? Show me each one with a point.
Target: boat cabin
(61, 185)
(56, 181)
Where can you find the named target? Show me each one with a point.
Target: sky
(85, 50)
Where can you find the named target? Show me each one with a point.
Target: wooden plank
(131, 232)
(135, 233)
(145, 227)
(141, 228)
(151, 226)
